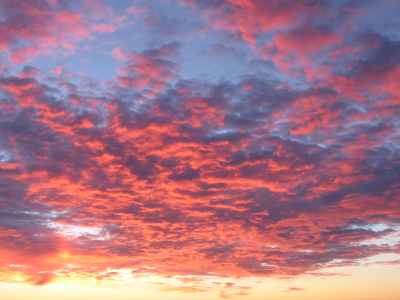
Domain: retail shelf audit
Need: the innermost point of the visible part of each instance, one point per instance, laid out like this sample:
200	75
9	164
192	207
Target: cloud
294	289
34	28
165	173
183	289
250	18
150	70
155	184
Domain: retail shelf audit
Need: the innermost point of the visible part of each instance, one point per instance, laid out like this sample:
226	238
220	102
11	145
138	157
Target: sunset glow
199	149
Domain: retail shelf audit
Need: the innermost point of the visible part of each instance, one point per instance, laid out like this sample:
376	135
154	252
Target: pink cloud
45	29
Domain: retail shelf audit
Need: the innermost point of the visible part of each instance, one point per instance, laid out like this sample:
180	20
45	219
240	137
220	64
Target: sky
199	149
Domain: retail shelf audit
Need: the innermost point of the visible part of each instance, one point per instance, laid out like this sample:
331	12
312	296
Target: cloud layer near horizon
285	168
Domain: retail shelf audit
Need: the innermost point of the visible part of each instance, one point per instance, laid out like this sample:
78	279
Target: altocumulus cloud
172	173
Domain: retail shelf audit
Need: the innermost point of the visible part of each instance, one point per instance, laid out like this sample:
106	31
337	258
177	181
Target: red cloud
171	189
246	177
43	29
148	71
250	18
